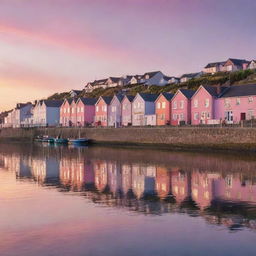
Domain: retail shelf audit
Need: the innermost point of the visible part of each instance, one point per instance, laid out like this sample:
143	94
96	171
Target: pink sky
51	46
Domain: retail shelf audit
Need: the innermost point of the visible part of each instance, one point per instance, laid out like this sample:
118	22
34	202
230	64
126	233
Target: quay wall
199	138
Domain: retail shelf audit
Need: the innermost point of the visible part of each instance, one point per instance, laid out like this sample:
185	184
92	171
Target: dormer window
182	104
174	105
195	103
158	105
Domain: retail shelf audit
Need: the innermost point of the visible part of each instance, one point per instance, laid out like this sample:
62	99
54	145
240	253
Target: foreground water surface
113	201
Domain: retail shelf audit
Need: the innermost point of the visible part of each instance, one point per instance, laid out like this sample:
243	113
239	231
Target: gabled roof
214	64
53	103
190	75
187	93
115	79
129	97
170	77
119	97
211	90
238	62
76	91
88	101
148	96
151	74
106	99
168	96
239	91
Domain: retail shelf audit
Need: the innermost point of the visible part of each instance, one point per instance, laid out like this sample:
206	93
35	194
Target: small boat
44	138
60	141
80	141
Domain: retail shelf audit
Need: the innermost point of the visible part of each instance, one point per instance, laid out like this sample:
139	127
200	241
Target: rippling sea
62	201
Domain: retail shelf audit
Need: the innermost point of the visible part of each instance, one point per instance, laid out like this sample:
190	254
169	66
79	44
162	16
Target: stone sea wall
199	138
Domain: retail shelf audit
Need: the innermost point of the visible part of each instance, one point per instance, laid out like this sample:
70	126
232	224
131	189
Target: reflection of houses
181	185
202	187
101	175
163	182
114	177
45	170
143	180
76	173
126	178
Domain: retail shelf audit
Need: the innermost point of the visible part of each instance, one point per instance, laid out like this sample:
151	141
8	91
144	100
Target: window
195	103
114	109
82	109
196	116
207	103
124	107
64	110
97	108
251	114
164	104
182	104
68	110
174	105
238	101
208	115
250	99
174	116
78	110
158	105
227	103
181	118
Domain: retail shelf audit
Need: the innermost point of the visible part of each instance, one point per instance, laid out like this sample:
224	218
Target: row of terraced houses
207	105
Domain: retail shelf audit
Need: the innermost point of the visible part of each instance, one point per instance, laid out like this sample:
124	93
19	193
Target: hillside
221	78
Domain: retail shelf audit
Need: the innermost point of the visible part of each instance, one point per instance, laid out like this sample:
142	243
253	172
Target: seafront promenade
184	138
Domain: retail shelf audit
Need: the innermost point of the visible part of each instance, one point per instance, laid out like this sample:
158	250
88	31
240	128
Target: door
229	117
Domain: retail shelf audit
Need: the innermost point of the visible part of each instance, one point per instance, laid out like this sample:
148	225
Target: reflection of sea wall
183	137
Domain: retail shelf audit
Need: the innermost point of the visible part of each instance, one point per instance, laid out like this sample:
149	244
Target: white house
47	113
252	64
154	78
143	107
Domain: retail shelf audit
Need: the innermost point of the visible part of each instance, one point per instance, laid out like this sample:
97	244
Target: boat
44	138
80	141
60	141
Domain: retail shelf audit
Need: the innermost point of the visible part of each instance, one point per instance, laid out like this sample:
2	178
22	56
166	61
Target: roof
170	77
191	75
151	74
167	95
214	64
106	99
89	101
115	79
76	91
211	90
187	92
239	91
238	62
53	103
130	97
148	96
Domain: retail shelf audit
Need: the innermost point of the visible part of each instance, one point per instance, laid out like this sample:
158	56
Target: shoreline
203	139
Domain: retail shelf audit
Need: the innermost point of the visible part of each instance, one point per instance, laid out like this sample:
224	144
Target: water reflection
220	190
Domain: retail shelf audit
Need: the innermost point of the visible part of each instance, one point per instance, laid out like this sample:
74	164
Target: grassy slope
222	78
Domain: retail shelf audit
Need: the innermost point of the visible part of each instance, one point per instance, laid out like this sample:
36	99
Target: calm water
111	201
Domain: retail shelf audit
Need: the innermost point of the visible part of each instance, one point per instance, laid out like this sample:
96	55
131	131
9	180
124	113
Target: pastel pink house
237	103
73	112
203	105
85	111
65	113
181	107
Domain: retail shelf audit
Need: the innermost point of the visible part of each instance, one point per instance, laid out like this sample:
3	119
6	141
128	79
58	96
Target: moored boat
80	141
60	141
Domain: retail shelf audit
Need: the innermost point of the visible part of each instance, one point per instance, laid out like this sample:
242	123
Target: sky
49	46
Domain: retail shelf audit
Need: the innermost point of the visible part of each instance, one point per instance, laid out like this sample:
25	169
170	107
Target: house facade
142	105
214	67
181	107
85	111
154	78
163	108
235	64
65	113
186	77
252	64
102	108
47	113
115	111
236	104
203	105
127	110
